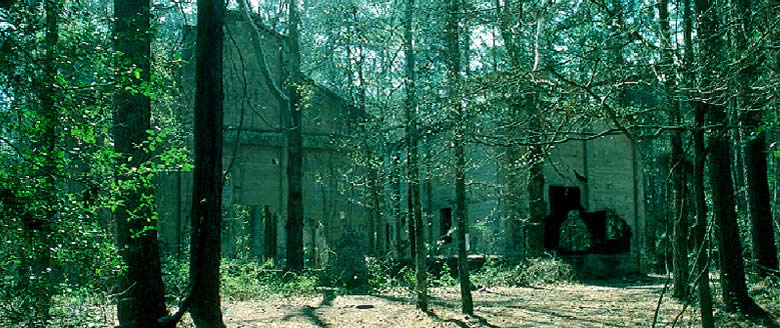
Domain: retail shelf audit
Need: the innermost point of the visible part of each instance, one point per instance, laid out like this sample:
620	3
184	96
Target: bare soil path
596	304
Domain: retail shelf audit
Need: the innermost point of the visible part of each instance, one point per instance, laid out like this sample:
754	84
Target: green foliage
767	290
83	307
244	279
57	254
385	274
444	278
499	273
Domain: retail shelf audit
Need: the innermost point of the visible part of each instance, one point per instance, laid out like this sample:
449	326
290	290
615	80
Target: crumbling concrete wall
255	155
606	171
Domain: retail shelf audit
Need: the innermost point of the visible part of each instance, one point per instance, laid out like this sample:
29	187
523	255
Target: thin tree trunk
679	208
295	150
537	208
143	302
732	266
415	210
759	206
699	230
395	200
207	179
700	226
376	224
453	42
410	212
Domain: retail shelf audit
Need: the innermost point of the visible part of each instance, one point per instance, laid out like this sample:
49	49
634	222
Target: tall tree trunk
537	209
679	208
205	253
376	224
395	200
759	206
295	149
143	302
699	231
700	226
735	294
413	173
453	43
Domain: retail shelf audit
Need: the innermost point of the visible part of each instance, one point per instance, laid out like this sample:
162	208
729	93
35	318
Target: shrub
445	278
547	270
383	274
246	279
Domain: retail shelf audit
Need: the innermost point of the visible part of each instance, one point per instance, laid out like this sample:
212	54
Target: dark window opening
445	224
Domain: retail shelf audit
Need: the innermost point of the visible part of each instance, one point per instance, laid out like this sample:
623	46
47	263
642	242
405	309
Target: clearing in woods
625	303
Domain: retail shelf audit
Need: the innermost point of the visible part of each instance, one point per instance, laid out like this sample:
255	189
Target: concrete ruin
255	156
595	215
593	188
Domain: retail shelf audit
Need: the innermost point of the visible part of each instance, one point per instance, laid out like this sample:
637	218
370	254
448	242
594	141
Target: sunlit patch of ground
596	304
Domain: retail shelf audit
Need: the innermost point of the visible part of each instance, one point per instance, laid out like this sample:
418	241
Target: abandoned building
255	157
593	188
594	193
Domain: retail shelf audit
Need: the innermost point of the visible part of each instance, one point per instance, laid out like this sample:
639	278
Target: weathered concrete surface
255	156
606	171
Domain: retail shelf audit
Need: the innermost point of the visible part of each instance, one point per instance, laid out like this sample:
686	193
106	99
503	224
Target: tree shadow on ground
441	303
482	321
310	312
631	281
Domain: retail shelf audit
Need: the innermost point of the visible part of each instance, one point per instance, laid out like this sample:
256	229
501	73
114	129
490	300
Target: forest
389	163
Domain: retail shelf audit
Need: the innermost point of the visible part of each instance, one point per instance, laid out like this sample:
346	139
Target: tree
453	43
699	231
537	209
679	207
294	146
509	24
413	174
754	153
732	267
142	287
206	217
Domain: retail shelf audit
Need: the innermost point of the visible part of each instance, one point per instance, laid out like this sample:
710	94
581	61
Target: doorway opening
569	229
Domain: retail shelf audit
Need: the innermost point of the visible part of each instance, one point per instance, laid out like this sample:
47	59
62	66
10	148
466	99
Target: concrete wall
255	154
606	170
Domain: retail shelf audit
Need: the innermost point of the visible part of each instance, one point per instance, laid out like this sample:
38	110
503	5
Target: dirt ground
595	304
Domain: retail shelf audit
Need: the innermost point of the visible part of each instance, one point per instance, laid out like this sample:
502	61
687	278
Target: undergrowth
244	279
502	273
385	274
